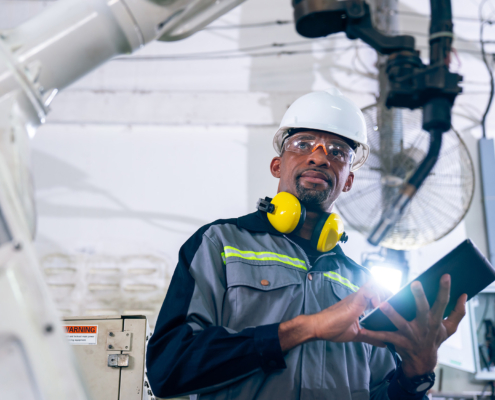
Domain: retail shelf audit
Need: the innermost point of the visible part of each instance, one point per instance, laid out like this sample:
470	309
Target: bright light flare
390	278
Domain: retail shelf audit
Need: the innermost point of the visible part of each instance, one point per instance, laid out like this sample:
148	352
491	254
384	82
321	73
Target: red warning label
82	329
82	334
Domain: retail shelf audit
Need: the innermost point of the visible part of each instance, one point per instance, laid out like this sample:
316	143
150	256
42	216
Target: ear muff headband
329	231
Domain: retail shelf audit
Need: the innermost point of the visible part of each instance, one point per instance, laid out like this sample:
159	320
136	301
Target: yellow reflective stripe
263	252
342	280
258	256
266	259
224	259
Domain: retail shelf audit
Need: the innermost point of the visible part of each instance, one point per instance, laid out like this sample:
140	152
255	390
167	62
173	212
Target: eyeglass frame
319	142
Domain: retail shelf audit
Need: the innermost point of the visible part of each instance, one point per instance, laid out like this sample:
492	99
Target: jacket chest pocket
337	288
261	294
340	291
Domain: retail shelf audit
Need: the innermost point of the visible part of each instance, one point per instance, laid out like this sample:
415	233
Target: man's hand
340	322
337	323
417	342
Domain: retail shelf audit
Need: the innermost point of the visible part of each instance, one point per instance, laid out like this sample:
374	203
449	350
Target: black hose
441	10
429	161
392	215
441	24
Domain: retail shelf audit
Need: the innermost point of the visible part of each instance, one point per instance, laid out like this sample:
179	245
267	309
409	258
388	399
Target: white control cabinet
111	351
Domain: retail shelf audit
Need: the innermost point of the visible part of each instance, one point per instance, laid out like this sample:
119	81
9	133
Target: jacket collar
258	222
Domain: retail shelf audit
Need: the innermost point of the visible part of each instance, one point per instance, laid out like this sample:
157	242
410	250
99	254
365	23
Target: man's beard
312	198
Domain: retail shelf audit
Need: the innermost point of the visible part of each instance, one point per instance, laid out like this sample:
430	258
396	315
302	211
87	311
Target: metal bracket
119	341
118	360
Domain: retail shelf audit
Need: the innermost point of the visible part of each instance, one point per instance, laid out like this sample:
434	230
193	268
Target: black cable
490	72
227	52
483	358
206	56
413	14
483	316
286	22
422	34
254	25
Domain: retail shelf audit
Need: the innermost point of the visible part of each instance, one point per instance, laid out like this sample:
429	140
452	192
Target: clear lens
303	145
335	149
340	151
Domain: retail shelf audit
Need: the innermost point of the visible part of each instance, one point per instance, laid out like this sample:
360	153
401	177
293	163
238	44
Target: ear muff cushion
327	232
289	213
302	219
315	237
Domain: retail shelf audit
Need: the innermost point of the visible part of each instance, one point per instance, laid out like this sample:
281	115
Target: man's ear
275	167
348	183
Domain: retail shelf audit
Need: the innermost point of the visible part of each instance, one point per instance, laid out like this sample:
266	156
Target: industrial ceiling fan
395	153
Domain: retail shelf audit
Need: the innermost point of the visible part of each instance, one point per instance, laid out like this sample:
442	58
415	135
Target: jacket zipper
302	251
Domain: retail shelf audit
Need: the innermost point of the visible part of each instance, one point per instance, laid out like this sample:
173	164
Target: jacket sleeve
190	352
384	365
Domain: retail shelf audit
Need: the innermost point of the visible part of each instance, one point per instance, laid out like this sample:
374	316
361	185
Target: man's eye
340	154
302	145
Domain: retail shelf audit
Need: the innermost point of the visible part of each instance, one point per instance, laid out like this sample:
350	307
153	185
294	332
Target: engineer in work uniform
258	311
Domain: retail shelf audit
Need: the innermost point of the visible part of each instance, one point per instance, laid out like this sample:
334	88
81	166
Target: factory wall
139	154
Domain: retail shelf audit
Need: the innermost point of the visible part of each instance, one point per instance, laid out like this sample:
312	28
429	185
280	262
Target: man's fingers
383	293
442	300
376	301
455	317
395	317
422	306
370	293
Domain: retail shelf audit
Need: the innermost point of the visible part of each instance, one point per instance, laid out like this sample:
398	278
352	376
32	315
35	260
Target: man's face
315	179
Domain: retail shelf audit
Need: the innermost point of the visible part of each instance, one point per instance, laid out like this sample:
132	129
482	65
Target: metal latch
119	341
118	360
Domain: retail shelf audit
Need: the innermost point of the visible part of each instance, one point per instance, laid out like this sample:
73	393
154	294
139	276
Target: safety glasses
335	150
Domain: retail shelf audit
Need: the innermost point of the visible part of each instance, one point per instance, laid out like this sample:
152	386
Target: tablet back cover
470	273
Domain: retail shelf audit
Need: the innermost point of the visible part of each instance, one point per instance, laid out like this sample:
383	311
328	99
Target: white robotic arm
54	49
37	60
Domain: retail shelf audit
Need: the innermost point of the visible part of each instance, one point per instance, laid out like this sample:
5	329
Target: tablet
470	273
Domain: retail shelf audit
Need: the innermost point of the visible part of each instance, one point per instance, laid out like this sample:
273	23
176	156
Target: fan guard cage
440	203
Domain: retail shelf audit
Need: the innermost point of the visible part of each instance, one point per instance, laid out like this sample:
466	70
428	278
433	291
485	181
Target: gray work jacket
217	333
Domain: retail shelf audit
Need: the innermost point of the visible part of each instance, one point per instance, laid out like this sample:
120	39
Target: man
252	313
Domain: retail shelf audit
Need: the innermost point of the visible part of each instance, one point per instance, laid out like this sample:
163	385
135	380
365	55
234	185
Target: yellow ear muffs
328	232
285	212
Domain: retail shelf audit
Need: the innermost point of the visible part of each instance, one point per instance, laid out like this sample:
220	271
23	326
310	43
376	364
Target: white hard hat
328	111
